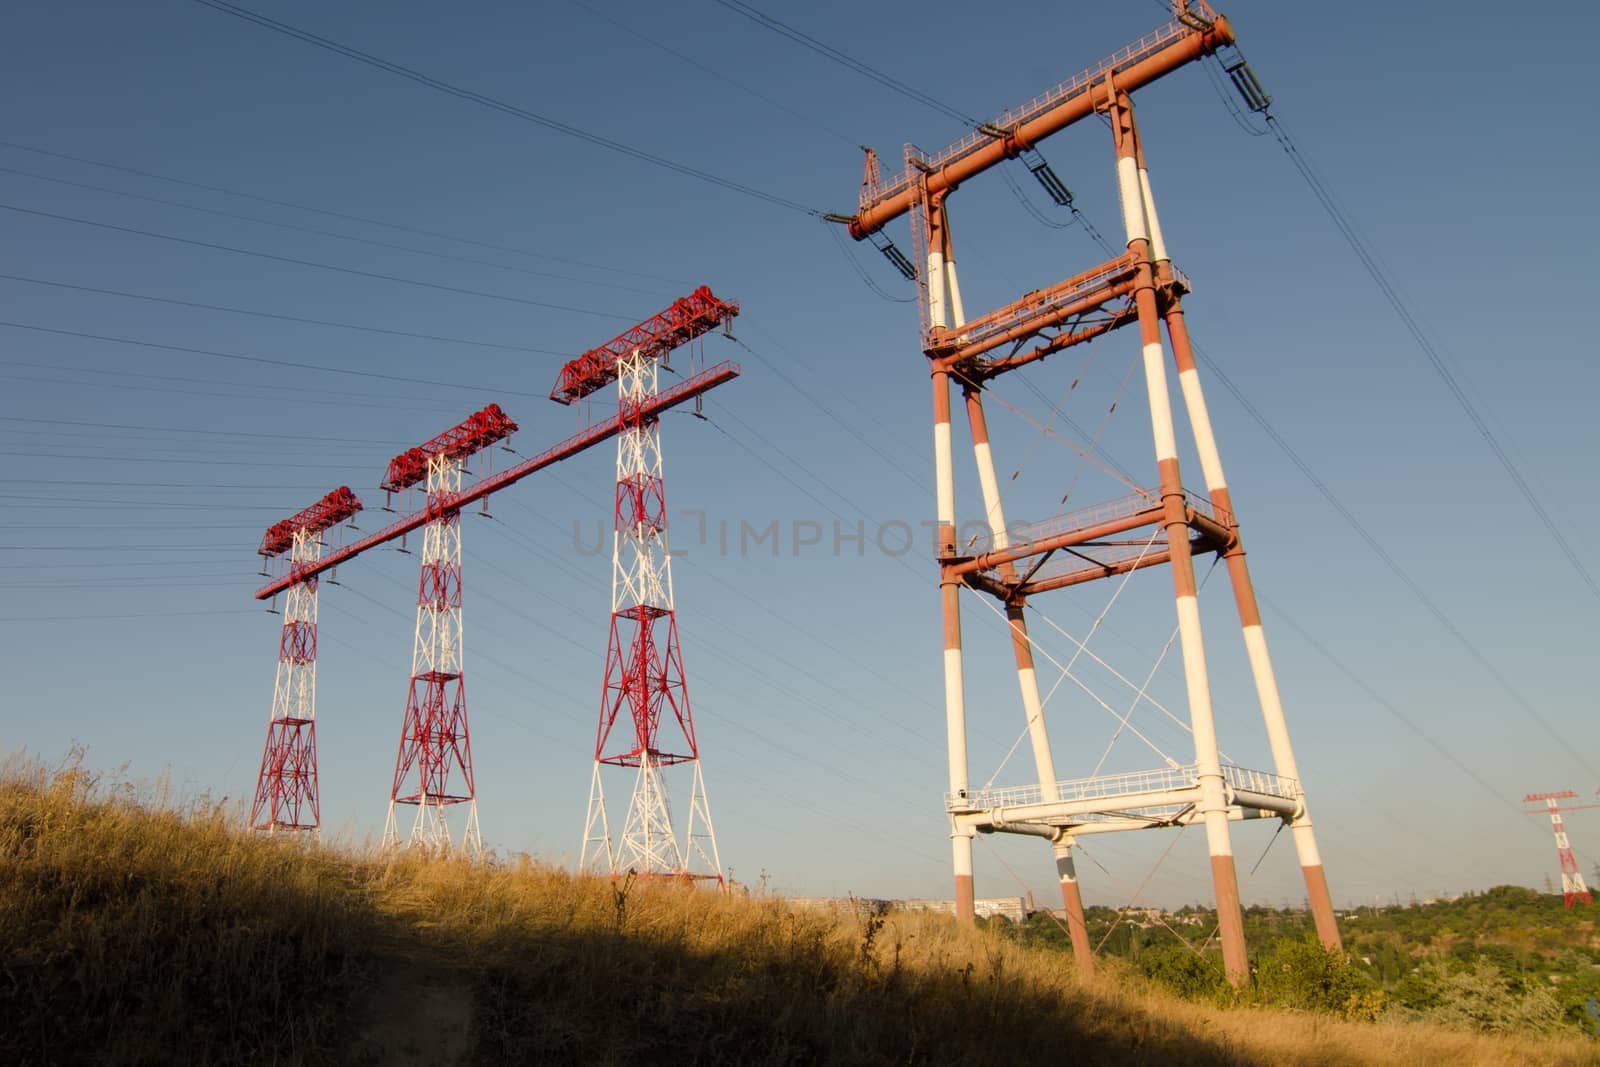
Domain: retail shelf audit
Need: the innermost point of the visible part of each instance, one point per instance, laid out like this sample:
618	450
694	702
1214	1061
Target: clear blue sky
1460	137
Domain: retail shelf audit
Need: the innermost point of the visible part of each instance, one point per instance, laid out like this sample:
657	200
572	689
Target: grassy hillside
133	932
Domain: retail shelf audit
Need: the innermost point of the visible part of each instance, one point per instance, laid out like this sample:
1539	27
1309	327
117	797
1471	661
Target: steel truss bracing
644	680
1137	288
286	785
433	771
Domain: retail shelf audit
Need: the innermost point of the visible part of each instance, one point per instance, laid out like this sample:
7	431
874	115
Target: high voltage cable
314	263
805	40
187	430
345	215
326	233
502	106
1386	705
270	361
772	366
1394	566
691	61
152	298
1347	230
247	390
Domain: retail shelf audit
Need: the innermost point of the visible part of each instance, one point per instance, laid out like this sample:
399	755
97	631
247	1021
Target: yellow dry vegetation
135	930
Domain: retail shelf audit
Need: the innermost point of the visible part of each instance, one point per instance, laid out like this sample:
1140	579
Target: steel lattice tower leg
435	746
1573	888
286	789
644	668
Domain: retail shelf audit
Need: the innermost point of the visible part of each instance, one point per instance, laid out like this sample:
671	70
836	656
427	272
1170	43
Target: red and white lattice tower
286	787
433	770
644	668
644	679
1573	888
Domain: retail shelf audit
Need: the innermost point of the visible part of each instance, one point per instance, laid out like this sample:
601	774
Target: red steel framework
438	597
433	769
1573	888
644	675
1142	287
286	786
688	317
596	433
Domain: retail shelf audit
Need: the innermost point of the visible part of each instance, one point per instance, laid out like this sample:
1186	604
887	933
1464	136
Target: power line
247	391
513	110
292	261
270	361
1384	703
695	63
1394	566
325	233
850	63
345	215
185	430
152	298
1348	231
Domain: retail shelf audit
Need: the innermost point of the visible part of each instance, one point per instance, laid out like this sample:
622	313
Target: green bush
1190	974
1300	973
1480	997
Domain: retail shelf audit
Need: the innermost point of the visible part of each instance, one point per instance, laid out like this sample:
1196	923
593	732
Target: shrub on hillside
1300	973
1190	974
1481	997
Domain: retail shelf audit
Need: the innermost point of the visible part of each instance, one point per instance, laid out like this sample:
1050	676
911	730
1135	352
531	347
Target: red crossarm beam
1194	34
331	510
476	432
687	318
1563	795
685	390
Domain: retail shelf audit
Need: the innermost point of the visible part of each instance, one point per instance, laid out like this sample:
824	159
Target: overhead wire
1435	358
213	353
513	110
279	316
296	228
684	57
365	220
805	40
772	366
1388	560
317	265
261	391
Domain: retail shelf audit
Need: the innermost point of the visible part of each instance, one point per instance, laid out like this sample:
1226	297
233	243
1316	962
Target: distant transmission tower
433	770
286	787
1573	888
644	667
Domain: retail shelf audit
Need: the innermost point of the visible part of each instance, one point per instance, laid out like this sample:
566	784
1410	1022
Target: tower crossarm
1080	309
1160	797
1195	31
475	433
330	511
592	435
1084	293
1082	536
689	317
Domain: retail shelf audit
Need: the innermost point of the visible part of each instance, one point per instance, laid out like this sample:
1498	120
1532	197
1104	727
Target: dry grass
131	932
